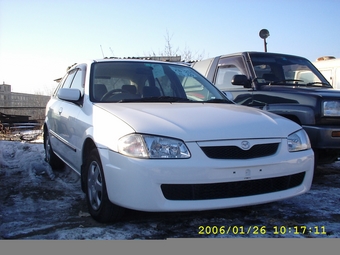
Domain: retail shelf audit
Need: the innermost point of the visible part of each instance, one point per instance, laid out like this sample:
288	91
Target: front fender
304	114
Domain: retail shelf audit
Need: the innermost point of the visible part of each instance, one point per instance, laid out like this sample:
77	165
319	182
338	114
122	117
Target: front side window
65	82
69	78
227	68
225	75
77	82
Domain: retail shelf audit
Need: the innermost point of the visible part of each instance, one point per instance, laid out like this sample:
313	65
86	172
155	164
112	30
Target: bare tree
187	55
46	91
169	50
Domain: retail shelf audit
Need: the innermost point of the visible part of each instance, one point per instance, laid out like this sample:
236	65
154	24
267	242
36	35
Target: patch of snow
39	203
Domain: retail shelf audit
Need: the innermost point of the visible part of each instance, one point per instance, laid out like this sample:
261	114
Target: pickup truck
287	85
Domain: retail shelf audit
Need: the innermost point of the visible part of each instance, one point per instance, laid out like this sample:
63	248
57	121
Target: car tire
55	162
99	205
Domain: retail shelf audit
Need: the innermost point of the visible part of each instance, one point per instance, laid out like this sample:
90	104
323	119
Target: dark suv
283	84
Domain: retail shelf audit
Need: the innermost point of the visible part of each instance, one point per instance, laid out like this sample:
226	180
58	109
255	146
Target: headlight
148	146
331	108
298	141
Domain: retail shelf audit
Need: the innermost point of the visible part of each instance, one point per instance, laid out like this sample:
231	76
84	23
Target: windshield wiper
219	100
156	99
320	83
316	83
283	81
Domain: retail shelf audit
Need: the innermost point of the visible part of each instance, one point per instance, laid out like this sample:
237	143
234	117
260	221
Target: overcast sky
40	38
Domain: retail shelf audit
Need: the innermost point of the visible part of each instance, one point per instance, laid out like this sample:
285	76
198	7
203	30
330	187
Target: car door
68	127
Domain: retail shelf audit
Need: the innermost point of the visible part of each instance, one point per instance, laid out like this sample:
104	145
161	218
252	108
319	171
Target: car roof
137	60
259	53
131	60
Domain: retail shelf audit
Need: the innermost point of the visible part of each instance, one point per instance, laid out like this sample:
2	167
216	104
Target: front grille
234	152
230	189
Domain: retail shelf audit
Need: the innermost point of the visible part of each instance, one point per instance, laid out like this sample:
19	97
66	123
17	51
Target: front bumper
144	184
324	137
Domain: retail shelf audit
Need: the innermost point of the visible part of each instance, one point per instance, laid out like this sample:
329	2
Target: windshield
129	81
286	70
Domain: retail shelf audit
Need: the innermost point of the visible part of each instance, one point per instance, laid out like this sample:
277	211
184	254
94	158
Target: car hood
201	121
317	91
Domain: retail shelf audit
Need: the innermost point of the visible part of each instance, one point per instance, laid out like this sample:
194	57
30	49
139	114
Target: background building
29	105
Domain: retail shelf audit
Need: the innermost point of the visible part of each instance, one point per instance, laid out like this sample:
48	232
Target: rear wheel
50	157
99	205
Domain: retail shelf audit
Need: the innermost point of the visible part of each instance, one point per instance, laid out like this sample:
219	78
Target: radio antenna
102	51
111	52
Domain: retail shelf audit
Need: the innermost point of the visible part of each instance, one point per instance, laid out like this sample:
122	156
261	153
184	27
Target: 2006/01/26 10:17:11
261	230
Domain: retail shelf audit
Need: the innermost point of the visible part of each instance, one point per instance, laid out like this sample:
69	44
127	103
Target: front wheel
50	157
99	205
325	156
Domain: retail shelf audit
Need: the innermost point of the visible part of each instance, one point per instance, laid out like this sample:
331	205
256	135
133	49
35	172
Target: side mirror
71	95
241	80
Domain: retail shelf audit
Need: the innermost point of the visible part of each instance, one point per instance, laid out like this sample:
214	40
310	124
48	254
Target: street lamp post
264	33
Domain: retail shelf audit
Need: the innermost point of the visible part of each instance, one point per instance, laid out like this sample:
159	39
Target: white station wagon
157	136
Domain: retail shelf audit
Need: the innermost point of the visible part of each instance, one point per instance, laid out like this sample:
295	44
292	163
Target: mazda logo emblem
245	145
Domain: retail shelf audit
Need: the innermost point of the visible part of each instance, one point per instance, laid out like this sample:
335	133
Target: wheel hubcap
95	185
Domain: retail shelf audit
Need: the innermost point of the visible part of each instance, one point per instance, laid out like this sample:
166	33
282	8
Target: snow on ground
38	203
